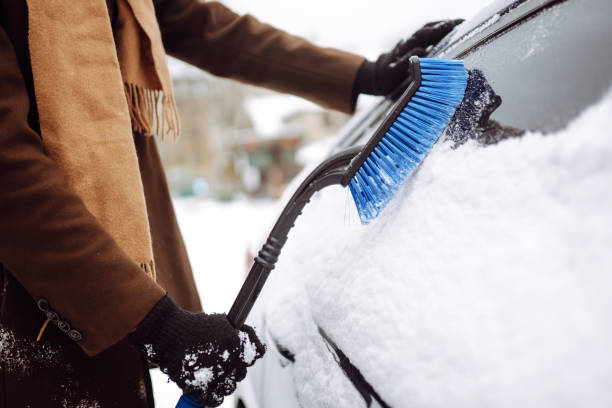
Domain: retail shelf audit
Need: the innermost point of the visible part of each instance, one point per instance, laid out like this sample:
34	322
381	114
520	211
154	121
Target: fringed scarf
91	93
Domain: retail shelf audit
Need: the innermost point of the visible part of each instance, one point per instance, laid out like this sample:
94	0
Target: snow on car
485	282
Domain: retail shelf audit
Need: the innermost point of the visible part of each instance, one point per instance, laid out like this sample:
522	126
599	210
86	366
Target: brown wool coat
51	247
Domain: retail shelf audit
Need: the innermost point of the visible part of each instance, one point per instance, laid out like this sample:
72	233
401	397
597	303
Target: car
485	282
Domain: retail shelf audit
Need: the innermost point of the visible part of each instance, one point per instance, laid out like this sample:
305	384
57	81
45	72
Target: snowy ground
217	236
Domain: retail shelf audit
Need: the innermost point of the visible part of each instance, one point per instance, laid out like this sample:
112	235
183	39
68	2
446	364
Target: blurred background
241	141
241	145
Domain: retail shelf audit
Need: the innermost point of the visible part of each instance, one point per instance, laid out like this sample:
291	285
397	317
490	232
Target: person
96	284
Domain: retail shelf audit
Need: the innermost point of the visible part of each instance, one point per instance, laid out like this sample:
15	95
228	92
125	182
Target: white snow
190	359
250	350
22	355
485	282
83	403
202	377
149	350
12	357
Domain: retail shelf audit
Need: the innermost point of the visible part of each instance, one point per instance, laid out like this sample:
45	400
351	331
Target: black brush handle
248	294
398	107
328	173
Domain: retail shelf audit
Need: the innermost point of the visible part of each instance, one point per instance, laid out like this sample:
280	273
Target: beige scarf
90	94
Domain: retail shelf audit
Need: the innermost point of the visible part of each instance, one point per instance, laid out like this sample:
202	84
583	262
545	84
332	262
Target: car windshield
549	68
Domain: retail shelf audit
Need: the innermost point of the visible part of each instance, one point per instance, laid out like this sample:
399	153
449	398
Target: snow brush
373	172
401	142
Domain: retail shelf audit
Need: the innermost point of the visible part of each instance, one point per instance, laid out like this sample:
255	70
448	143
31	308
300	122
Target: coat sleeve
50	242
212	37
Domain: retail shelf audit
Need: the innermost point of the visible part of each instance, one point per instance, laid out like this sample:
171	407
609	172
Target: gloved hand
202	353
391	68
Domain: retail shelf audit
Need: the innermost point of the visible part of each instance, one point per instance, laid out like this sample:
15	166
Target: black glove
391	68
202	353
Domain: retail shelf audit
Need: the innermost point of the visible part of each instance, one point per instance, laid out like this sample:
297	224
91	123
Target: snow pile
485	282
318	379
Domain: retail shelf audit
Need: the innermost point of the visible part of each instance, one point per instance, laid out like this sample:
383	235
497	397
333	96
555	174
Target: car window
550	67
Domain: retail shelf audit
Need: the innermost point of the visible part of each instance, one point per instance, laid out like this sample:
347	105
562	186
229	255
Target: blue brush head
402	141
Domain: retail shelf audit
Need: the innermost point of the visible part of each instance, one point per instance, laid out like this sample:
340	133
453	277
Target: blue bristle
386	165
410	137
